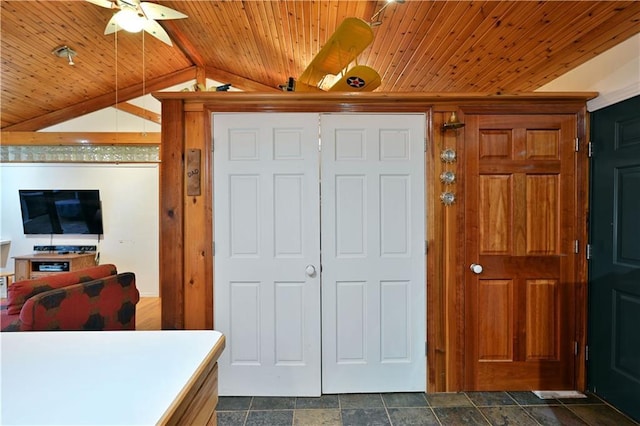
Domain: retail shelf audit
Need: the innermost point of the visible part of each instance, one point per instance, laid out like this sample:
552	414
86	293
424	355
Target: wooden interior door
520	228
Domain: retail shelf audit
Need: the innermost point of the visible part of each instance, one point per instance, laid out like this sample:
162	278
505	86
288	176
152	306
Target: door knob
475	268
310	270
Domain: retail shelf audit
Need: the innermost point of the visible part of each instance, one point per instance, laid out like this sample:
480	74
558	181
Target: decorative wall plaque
193	172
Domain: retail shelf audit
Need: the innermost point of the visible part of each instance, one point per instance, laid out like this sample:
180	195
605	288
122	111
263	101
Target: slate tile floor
395	409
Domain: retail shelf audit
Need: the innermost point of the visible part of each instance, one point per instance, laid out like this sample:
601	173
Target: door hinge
577	144
590	149
586	352
575	347
589	252
425	349
576	246
213	248
425	144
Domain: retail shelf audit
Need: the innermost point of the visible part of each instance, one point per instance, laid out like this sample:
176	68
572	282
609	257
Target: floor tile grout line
473	404
435	415
575	414
246	416
384	405
522	407
512	398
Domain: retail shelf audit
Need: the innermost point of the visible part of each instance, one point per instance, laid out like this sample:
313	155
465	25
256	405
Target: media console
38	265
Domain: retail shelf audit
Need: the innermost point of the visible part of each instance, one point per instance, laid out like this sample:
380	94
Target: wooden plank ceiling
421	46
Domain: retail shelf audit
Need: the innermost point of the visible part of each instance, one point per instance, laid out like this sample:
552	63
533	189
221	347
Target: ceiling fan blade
157	11
156	30
112	26
104	3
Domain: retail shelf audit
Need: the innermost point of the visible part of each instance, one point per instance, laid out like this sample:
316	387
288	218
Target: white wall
615	74
111	120
130	201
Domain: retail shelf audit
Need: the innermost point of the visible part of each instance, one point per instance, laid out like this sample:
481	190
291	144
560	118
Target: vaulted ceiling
491	47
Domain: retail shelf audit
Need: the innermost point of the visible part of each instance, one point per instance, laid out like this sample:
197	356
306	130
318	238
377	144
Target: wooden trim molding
322	100
79	138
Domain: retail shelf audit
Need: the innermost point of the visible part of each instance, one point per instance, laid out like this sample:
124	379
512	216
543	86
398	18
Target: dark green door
614	284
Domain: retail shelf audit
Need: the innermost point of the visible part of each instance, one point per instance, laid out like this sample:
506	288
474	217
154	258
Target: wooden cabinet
33	266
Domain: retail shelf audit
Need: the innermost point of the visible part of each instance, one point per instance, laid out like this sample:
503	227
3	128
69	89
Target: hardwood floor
148	315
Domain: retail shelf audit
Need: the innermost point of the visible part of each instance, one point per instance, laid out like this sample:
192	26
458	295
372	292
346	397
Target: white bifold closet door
266	227
267	295
373	255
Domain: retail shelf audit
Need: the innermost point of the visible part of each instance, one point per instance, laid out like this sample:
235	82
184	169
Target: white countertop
96	377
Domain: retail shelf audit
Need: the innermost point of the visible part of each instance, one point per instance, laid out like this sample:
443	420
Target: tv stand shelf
38	265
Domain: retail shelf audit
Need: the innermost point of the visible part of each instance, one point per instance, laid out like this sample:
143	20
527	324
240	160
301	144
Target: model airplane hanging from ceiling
343	47
136	15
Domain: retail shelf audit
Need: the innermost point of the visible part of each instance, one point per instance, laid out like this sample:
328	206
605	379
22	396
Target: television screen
61	211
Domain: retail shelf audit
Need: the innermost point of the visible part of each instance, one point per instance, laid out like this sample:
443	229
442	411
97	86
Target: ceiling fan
135	15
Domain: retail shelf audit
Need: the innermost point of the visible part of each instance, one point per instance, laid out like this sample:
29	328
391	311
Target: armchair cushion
107	303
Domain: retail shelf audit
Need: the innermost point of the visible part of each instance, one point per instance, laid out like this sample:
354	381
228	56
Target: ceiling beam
238	81
104	101
139	112
183	43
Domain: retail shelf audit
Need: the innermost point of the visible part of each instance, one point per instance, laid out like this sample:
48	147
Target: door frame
581	220
186	232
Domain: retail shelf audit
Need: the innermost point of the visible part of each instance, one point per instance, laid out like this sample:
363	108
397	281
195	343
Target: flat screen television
61	211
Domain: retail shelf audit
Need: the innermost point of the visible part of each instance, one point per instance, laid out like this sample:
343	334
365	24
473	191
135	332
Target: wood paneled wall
186	228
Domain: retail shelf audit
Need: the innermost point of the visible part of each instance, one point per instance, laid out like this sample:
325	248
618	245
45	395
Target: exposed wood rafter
139	112
183	43
103	101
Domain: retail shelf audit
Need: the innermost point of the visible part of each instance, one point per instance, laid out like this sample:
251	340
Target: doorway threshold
559	394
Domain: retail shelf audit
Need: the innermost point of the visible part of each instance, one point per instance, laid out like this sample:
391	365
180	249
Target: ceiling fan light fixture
129	20
135	15
376	20
65	52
